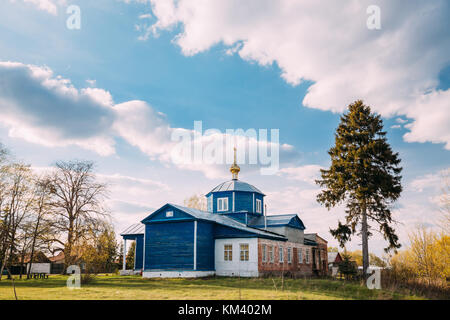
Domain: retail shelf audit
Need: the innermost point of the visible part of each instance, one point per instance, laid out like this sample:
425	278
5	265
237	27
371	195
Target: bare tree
196	202
77	204
15	204
41	227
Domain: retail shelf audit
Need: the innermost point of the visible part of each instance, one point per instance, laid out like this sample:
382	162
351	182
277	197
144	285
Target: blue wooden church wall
169	246
205	246
243	201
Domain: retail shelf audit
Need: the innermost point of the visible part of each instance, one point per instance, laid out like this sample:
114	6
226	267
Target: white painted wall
236	267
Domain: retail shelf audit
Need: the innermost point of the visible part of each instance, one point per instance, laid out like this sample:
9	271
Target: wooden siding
205	246
243	201
221	231
139	253
169	246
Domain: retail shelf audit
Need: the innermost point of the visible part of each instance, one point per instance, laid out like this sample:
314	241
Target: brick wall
296	267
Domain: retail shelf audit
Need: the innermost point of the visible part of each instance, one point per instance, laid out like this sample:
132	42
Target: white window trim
264	253
224	204
289	255
258	206
272	255
281	254
240	252
300	255
224	250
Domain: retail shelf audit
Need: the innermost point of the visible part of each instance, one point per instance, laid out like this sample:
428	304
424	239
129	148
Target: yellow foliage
427	258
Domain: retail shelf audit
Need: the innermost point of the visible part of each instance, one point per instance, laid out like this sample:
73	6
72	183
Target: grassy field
134	287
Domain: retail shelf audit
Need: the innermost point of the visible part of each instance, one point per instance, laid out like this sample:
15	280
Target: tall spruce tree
365	175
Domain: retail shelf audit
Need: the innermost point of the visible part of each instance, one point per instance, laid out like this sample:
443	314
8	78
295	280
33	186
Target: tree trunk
365	242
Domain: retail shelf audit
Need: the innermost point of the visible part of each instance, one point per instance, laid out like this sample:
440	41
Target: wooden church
234	237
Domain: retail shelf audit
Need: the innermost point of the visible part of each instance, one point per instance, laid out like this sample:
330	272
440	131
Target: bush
87	278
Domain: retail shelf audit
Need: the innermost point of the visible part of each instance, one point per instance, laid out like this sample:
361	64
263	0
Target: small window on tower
258	206
222	204
169	214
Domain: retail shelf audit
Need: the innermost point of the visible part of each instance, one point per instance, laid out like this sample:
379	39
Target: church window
169	214
244	251
300	255
289	255
307	255
258	206
228	252
271	253
264	253
222	204
281	256
210	209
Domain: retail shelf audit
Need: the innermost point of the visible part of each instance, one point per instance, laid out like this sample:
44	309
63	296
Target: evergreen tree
365	175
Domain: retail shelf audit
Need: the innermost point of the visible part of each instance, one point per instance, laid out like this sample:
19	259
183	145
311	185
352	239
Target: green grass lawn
134	287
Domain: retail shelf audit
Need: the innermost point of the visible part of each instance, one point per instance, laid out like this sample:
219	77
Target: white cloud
430	181
395	69
50	6
46	109
307	173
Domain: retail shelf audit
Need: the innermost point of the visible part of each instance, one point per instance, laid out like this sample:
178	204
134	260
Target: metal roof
236	185
277	221
227	221
137	228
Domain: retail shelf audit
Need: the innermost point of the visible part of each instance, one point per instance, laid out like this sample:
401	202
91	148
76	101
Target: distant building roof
134	229
332	256
58	258
235	185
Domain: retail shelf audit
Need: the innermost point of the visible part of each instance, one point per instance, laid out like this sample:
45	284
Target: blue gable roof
181	213
282	220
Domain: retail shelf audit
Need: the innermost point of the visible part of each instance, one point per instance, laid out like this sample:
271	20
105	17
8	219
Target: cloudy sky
115	90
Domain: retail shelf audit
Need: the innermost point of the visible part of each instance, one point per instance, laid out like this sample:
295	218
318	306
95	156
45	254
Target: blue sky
258	65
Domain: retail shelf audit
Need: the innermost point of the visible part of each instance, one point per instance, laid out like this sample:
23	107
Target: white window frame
264	252
300	255
280	255
222	204
210	203
228	252
289	254
271	255
169	214
258	206
307	256
245	251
